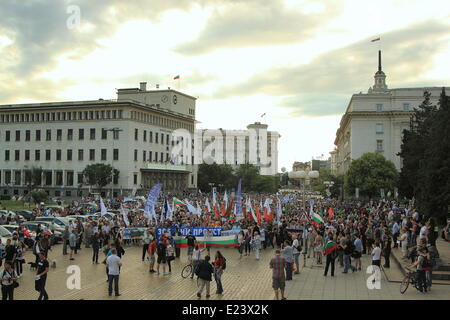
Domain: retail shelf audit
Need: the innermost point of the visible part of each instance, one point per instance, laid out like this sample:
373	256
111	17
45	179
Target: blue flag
239	201
152	197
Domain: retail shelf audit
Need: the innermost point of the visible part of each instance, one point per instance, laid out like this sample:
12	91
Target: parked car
28	236
108	215
59	223
27	214
5	234
12	215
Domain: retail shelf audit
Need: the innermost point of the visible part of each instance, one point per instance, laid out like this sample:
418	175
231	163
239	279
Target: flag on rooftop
377	39
176	77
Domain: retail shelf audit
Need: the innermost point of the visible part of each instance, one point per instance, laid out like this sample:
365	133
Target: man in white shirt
114	263
376	254
423	232
296	253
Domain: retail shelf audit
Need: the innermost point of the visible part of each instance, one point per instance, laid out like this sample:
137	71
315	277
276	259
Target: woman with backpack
219	266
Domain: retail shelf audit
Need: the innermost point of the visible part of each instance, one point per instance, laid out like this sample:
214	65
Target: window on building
115	181
379	128
37	155
17	135
59	135
69	134
17	155
379	107
59	178
69	154
97	115
114	114
92	134
80	134
136	134
103	155
150	137
167	139
406	107
47	155
135	155
27	135
145	135
144	155
116	154
69	180
58	155
7	135
156	156
27	155
116	135
135	178
91	154
120	114
104	134
379	145
48	135
6	155
80	178
156	137
80	154
38	135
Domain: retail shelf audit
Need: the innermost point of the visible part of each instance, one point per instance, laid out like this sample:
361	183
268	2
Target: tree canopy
99	174
370	173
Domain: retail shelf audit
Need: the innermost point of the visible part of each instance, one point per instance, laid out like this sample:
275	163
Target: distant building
64	137
237	147
301	166
374	121
320	164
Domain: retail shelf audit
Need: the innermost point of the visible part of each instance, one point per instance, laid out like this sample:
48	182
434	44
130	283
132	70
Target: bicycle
187	270
409	278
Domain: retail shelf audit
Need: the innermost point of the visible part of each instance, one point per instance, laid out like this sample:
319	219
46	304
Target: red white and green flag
176	77
317	219
178	202
330	247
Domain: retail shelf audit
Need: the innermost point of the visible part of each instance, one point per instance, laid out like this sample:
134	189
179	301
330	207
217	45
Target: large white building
63	138
255	145
374	121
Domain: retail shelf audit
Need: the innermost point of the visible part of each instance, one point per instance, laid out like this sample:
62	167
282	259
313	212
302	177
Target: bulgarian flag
178	202
317	219
176	77
330	213
216	211
220	241
376	39
224	210
330	247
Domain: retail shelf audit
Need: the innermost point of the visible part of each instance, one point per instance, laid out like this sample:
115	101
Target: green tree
99	174
370	173
217	174
39	195
249	174
264	184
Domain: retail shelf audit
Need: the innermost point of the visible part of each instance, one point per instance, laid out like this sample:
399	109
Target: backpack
426	263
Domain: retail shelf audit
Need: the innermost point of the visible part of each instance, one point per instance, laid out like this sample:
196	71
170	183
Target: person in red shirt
151	255
219	264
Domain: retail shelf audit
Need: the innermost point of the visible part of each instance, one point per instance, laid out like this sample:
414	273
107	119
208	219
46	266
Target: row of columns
170	180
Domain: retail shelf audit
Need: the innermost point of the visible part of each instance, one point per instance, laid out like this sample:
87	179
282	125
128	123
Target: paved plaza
244	278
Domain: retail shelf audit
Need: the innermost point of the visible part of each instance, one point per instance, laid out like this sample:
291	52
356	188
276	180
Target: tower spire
379	60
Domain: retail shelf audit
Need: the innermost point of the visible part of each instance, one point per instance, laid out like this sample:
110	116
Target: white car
5	234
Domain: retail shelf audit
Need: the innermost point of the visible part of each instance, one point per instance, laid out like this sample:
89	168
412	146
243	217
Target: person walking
162	255
404	242
73	243
278	264
376	255
170	255
204	272
241	242
288	258
247	244
96	243
331	252
256	244
151	255
8	281
41	276
219	266
296	253
65	239
147	239
357	252
387	242
348	250
20	259
114	263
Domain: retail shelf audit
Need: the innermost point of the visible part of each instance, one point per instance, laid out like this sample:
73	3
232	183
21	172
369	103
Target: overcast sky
297	61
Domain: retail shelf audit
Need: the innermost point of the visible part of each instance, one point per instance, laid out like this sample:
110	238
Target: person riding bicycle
420	264
191	244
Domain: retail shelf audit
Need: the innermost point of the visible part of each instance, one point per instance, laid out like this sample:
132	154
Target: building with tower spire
374	121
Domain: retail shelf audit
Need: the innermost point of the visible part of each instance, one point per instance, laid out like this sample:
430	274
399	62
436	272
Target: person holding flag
330	253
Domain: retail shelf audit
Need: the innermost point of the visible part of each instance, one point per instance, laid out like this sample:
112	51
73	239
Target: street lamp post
303	176
328	184
114	130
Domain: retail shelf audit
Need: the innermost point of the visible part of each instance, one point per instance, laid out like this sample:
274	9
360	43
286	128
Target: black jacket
204	270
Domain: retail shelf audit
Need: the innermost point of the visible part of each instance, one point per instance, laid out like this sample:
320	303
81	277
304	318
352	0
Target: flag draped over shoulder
330	247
